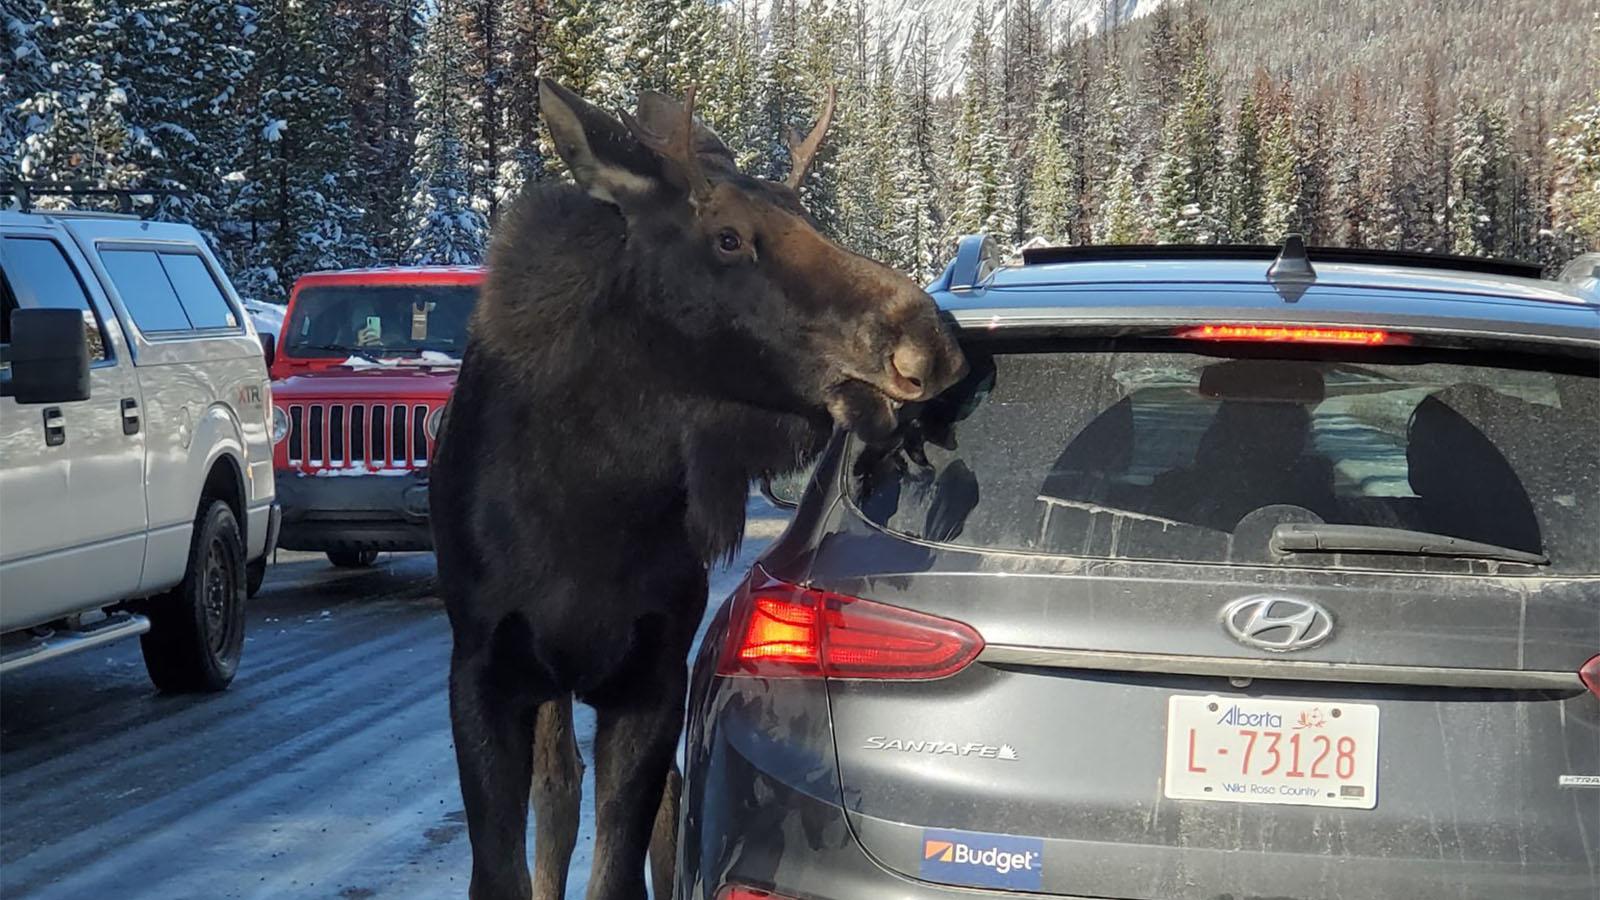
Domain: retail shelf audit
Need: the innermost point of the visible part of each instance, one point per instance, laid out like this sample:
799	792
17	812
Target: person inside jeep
398	320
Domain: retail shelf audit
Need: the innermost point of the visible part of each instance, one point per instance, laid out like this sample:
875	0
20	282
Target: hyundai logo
1279	624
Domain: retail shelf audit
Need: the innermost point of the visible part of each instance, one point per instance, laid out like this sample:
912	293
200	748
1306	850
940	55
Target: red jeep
360	375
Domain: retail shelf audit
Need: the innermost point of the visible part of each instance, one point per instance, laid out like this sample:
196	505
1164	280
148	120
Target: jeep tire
196	631
352	559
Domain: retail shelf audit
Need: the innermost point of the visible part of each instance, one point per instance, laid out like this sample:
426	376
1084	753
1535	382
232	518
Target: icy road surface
326	771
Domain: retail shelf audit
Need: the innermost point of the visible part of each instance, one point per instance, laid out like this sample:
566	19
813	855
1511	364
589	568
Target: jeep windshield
426	322
1392	459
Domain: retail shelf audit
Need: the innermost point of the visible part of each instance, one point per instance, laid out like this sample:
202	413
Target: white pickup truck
136	485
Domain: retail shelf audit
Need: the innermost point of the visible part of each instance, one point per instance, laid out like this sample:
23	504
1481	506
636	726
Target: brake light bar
782	630
1294	334
1589	672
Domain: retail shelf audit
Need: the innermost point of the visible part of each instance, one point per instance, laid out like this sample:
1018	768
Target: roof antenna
1291	273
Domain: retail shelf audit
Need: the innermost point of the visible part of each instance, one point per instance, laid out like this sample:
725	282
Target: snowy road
326	771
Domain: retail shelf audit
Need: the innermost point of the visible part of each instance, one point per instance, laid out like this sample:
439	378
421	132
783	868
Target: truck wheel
254	574
352	559
196	631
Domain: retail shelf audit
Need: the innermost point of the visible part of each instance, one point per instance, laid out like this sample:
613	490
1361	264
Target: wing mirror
269	348
49	356
785	491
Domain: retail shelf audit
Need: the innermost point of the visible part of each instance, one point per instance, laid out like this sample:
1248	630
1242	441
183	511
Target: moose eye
729	241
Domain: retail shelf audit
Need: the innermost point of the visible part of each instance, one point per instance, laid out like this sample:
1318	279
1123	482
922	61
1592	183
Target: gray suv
1228	572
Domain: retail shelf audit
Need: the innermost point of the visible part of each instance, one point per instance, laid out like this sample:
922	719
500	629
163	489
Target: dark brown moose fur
647	342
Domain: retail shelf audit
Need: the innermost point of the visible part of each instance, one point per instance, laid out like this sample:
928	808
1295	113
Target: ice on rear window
1136	454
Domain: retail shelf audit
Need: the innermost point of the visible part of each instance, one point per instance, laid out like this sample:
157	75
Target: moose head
733	273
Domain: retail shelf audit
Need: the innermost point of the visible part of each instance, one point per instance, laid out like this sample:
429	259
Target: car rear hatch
1180	694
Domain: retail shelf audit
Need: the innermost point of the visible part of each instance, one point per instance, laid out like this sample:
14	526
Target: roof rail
1269	253
26	191
977	256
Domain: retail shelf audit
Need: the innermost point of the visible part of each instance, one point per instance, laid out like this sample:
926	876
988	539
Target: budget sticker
984	860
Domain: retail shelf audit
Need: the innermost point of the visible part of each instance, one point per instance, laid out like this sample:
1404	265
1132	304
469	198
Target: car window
401	320
146	291
39	276
197	290
1138	453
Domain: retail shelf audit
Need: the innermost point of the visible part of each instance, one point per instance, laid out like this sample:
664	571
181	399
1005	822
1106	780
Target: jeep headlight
434	420
280	424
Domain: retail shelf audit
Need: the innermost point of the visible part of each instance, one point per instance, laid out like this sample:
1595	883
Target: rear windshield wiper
1302	538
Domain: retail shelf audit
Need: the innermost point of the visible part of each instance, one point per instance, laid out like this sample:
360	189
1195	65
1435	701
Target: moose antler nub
803	153
678	146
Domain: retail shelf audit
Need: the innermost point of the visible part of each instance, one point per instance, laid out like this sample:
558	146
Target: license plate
1272	751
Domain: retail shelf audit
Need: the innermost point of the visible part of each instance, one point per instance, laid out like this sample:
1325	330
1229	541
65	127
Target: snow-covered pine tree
383	116
1576	201
446	228
24	43
781	95
1162	67
670	43
1401	217
299	195
1189	168
1175	214
983	177
580	52
1109	141
918	227
1080	93
825	30
1280	199
1244	185
1121	216
729	97
193	110
521	160
480	31
1053	176
866	177
1479	163
1312	172
76	126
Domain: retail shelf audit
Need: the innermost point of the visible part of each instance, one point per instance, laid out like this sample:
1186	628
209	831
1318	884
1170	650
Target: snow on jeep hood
410	381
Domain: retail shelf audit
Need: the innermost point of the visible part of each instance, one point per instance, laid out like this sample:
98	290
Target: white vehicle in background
136	484
268	317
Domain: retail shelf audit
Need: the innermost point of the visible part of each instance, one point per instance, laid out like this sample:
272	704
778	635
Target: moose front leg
493	727
633	751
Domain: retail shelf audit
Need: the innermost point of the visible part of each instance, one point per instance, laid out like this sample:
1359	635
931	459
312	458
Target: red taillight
740	892
1295	334
1590	673
780	630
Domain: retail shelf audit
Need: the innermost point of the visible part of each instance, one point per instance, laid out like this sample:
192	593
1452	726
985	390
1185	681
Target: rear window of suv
168	291
1156	451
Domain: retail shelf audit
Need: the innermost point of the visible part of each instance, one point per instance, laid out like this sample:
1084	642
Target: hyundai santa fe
1230	572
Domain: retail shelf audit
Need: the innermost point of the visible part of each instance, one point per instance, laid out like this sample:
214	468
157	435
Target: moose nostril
911	364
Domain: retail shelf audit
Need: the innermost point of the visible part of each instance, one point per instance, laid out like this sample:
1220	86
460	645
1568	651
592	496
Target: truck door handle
55	427
130	416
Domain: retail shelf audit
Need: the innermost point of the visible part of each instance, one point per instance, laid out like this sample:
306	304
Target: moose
648	340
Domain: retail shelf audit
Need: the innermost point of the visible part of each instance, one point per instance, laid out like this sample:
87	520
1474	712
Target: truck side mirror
49	356
269	348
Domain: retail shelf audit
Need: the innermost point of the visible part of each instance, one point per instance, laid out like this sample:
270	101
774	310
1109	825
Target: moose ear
604	157
664	116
